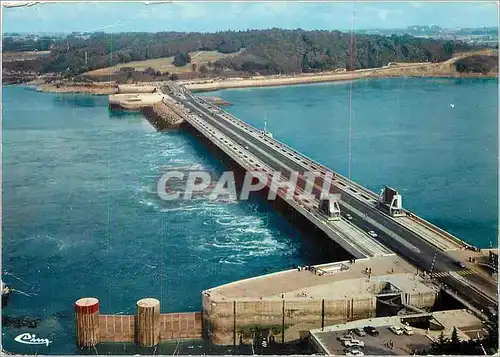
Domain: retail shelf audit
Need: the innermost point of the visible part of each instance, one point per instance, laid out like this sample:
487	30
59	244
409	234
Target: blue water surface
81	217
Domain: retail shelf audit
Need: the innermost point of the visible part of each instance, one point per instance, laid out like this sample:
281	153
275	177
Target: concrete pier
87	322
148	322
155	106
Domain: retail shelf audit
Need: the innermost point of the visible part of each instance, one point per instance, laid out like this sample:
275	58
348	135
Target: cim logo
31	339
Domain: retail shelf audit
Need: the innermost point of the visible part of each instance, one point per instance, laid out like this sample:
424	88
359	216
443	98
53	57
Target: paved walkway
354	280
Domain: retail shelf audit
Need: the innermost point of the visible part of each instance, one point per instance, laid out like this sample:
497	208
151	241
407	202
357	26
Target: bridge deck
429	235
346	235
435	236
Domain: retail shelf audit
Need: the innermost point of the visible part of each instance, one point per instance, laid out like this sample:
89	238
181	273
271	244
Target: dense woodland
270	51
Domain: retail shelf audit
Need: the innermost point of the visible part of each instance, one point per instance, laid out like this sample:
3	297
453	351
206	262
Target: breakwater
152	105
147	328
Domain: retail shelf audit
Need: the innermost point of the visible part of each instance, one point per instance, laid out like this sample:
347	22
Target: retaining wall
173	326
230	322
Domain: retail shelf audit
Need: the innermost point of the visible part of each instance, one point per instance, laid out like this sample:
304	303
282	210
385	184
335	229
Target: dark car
460	264
371	330
492	312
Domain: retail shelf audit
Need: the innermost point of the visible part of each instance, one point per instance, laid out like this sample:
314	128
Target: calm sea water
81	216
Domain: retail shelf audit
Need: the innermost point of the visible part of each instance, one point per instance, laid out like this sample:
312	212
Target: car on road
371	330
354	353
348	216
354	343
372	234
460	264
407	330
396	330
359	331
491	312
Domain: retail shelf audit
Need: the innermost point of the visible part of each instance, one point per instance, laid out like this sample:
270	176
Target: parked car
359	331
372	234
371	330
354	343
354	353
407	330
346	337
396	330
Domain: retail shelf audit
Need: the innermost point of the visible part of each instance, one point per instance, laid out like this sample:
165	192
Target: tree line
269	51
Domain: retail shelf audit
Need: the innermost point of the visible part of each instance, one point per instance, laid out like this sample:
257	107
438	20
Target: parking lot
376	345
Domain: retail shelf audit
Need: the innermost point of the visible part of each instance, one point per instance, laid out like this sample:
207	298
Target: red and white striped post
87	322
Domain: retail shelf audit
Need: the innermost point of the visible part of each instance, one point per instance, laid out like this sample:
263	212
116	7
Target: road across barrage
408	244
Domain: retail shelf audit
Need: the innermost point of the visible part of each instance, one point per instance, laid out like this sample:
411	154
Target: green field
165	63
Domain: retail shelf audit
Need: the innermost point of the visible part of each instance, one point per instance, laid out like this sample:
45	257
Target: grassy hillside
164	64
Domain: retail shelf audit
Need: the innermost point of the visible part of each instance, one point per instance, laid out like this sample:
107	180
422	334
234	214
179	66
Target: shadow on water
76	101
121	115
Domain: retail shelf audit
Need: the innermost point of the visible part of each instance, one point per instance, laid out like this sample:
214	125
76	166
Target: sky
217	16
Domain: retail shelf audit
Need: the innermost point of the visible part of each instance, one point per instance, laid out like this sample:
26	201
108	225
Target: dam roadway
418	241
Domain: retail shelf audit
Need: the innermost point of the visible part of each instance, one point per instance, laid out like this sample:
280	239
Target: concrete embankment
133	101
162	117
155	107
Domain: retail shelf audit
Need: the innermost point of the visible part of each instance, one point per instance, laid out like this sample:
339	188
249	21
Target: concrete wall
173	326
116	328
229	322
421	300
